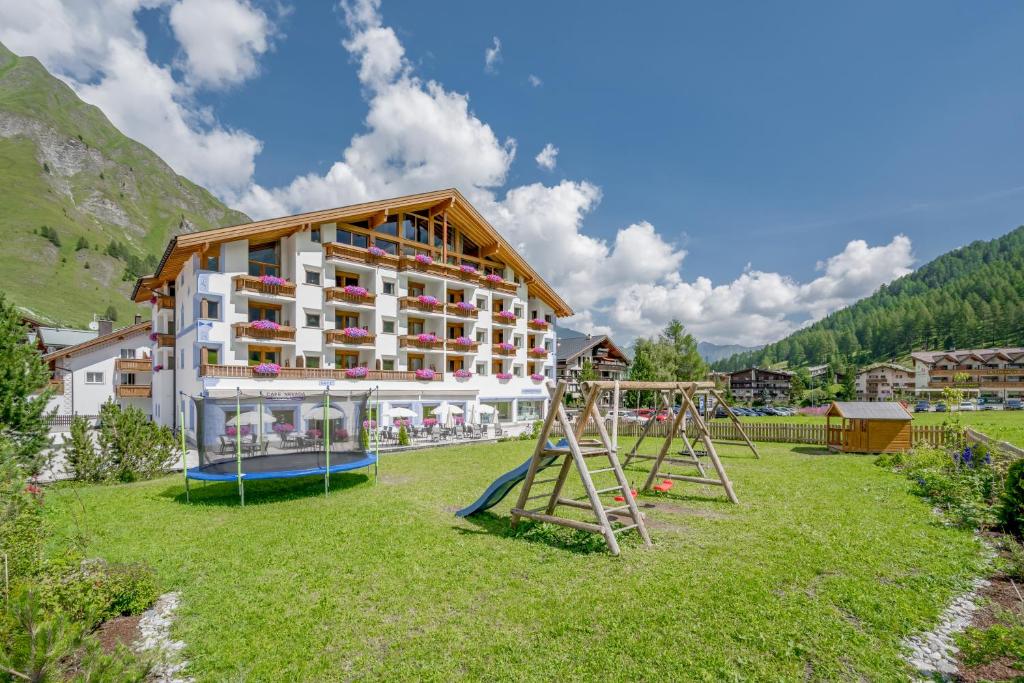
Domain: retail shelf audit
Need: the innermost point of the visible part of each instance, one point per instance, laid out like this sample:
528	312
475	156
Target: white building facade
416	298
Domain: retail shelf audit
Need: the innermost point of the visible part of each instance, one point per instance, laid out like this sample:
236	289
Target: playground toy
686	391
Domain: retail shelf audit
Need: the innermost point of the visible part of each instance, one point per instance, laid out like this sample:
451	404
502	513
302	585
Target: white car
967	405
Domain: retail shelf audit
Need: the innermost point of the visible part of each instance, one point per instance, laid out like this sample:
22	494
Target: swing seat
622	499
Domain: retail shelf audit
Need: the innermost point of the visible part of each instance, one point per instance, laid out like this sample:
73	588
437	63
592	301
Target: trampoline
281	435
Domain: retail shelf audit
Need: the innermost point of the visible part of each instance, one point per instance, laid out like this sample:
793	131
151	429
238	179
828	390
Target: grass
820	572
1005	425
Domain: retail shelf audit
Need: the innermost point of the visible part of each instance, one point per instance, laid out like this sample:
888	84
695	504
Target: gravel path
933	653
155	638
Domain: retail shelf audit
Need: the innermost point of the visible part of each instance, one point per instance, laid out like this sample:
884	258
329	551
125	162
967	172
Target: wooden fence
784	432
62	423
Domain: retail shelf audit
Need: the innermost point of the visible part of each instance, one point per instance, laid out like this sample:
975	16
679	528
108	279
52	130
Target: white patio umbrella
486	409
250	418
401	412
316	412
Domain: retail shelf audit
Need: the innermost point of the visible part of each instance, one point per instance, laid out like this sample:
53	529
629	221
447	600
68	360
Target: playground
821	569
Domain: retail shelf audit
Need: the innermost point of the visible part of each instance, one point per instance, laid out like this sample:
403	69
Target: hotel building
417	297
986	373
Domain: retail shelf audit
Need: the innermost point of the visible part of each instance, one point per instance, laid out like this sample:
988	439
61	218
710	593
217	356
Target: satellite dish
94	326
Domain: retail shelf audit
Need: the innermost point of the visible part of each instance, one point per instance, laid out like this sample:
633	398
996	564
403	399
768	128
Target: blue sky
744	132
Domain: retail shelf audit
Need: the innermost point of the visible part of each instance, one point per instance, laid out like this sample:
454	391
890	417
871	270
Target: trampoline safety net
269	436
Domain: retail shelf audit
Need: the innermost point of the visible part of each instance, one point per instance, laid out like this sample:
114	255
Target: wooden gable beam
489	250
378	219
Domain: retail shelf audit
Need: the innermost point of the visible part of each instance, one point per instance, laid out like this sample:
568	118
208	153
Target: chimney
105	327
138	318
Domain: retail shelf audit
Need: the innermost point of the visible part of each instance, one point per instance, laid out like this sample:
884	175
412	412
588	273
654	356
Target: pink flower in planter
427	337
369	424
429	421
355	332
265	325
463	373
273	280
376	251
424	373
507	316
153	336
465	306
504	375
460	420
538	351
400	422
356	372
153	299
267	369
355	290
463	341
539	322
424	259
158	367
466	268
537	377
506	346
428	300
284	427
314	433
494	278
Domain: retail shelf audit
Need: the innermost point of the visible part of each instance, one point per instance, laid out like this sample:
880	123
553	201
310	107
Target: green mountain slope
69	178
970	297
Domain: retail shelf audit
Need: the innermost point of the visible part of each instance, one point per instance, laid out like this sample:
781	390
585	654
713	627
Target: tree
849	390
587	371
23	392
110	313
640	370
688	364
82	243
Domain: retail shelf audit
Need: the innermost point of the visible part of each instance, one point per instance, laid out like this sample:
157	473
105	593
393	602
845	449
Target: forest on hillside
972	297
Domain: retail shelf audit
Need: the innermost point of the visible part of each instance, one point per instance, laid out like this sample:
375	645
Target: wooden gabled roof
470	221
115	336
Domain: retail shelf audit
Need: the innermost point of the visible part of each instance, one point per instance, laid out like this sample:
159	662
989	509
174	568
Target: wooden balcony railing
57	384
412	341
165	339
339	337
454	347
435	269
134	391
253	285
498	351
504	287
247	331
539	325
338	294
534	353
164	302
246	372
346	252
411	303
453	309
502	320
133	364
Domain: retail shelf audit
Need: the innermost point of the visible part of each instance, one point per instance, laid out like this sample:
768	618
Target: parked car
940	407
1014	404
967	405
922	407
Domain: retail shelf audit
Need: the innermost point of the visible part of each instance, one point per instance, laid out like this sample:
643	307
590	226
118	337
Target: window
496	367
517	370
342	279
481	368
387	364
259	311
209	309
313	320
210	262
312	361
456	330
529	410
346	319
455	296
416	288
313	277
518	341
481	302
94	378
415	228
415	326
128	378
127	353
388	227
314	235
416	362
346	359
264	259
388	246
518	310
504	410
481	336
389	287
264	354
211	356
353	238
388	326
454	364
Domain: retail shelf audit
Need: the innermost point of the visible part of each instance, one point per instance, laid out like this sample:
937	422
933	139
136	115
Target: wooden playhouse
863	427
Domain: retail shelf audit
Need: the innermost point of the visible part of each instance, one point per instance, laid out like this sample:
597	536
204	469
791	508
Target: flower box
468	269
153	336
506	346
538	323
463	341
376	251
284	427
504	375
369	424
537	377
355	290
357	372
494	278
427	338
428	300
267	369
272	280
423	259
429	421
425	373
355	332
465	306
265	325
539	351
506	316
463	374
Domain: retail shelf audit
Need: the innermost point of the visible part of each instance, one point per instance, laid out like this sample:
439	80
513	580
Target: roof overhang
115	336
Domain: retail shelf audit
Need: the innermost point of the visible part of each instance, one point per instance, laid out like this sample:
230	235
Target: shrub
980	646
21	524
83	462
1013	563
1011	508
133	447
95	590
403	436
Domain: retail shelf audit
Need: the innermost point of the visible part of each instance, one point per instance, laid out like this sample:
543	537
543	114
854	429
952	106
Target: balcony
338	295
497	350
412	303
498	319
470	314
165	340
346	252
454	347
435	269
164	302
134	364
502	287
134	391
57	384
456	273
339	337
539	325
247	331
413	341
249	284
538	353
246	372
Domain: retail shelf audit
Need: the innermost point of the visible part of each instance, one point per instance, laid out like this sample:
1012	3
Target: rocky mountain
83	209
712	352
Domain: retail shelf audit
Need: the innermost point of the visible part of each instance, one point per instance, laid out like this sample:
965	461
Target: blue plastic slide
505	483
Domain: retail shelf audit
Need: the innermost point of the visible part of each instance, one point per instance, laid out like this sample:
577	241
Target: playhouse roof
869	410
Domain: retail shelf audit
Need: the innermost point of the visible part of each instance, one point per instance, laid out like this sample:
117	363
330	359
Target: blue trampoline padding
198	473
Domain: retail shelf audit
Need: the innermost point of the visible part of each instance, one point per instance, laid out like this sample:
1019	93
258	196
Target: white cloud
221	39
492	56
535	80
98	49
547	157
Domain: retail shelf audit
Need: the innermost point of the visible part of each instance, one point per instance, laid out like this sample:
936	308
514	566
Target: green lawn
820	572
1003	425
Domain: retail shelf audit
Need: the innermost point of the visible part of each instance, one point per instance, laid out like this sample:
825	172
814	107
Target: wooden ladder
576	452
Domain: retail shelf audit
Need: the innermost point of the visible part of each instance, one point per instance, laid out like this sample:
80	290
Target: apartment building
757	384
884	382
417	297
987	373
607	360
